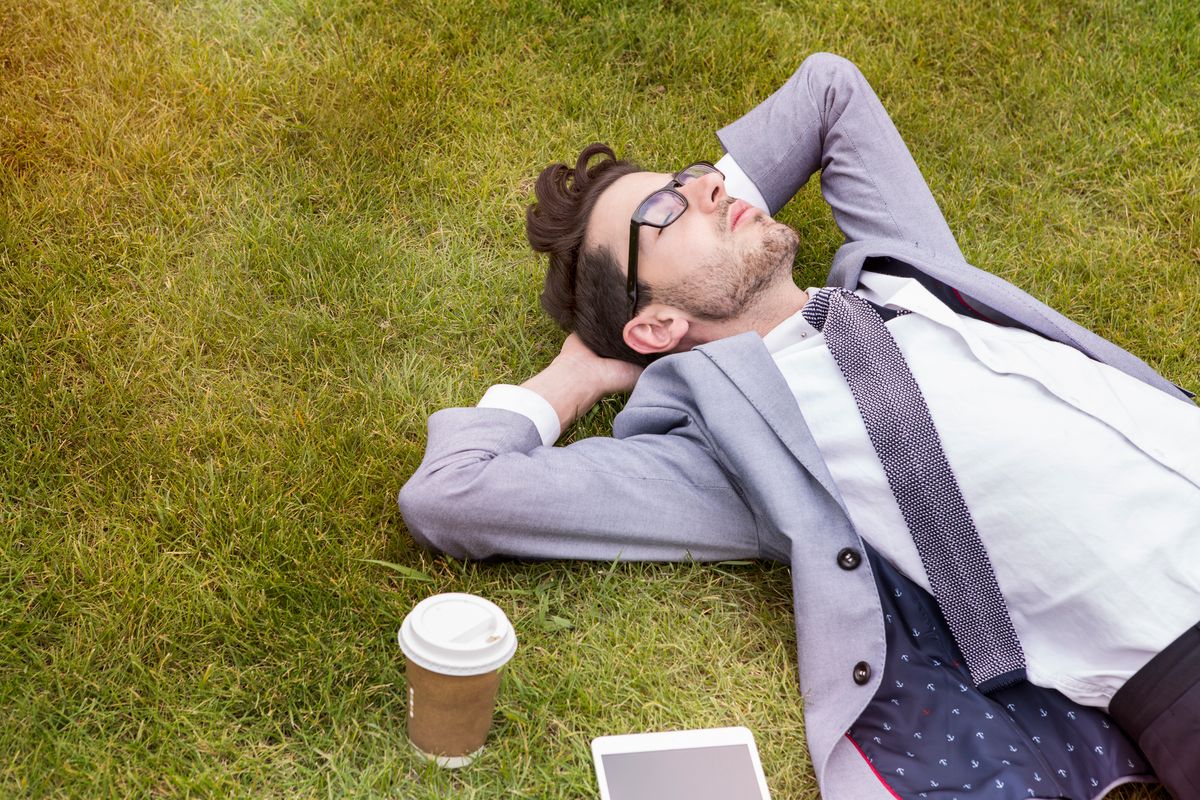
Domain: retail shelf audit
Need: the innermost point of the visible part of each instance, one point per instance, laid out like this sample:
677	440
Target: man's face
712	262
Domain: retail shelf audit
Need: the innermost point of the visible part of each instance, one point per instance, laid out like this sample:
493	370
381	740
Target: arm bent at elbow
487	487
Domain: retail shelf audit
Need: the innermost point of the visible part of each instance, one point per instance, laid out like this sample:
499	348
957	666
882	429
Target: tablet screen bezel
675	740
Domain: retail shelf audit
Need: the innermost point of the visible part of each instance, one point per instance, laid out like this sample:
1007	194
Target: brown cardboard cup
456	645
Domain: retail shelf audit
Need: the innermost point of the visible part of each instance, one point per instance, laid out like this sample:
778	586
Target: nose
705	193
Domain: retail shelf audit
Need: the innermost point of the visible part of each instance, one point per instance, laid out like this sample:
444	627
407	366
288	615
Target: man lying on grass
991	514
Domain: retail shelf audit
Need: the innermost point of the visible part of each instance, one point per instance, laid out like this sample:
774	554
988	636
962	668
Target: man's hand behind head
577	378
604	375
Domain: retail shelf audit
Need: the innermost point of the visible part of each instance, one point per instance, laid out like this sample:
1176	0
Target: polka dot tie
908	446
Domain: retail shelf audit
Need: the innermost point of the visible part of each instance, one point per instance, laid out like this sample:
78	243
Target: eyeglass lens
661	208
694	171
664	206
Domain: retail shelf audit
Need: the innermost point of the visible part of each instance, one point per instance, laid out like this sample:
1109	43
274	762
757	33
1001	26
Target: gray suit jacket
712	459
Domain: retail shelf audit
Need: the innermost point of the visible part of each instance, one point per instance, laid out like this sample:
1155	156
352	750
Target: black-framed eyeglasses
659	210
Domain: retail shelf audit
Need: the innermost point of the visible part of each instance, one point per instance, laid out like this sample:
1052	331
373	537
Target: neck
772	308
777	307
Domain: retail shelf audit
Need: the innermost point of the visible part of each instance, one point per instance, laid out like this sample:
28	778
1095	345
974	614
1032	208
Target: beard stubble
729	283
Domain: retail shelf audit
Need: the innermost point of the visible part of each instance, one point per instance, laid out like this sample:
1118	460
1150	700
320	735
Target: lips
737	211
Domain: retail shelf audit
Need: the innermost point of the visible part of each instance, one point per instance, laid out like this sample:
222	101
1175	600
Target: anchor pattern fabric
929	733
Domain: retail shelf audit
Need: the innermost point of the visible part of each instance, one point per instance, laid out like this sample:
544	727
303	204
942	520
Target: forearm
552	399
487	487
827	117
577	378
568	391
564	391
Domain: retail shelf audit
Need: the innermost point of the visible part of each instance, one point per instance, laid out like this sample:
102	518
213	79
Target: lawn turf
248	247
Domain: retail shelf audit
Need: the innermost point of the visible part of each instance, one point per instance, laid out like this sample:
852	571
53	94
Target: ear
656	329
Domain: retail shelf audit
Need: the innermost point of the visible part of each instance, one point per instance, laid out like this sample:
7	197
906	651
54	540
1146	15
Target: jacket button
848	558
862	673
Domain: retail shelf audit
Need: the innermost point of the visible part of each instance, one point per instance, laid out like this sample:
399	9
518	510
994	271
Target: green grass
248	247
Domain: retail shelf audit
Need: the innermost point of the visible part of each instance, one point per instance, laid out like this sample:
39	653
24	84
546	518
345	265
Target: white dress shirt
1084	483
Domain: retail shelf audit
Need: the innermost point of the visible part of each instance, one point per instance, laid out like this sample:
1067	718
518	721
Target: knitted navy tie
907	444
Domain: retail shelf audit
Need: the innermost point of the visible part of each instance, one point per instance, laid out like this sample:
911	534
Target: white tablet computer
713	764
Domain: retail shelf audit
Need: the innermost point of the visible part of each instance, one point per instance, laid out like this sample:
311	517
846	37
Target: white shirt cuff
739	185
528	404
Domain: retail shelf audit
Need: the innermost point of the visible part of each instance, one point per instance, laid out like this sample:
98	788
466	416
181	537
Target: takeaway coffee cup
455	645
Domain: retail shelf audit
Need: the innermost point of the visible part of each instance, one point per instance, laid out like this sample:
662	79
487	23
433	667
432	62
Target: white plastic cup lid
457	634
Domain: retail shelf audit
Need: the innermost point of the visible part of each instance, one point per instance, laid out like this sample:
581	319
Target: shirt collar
790	331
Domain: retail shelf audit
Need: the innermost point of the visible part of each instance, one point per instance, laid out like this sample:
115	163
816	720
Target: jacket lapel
745	361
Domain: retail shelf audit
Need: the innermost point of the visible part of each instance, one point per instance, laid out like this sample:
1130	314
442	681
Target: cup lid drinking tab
457	634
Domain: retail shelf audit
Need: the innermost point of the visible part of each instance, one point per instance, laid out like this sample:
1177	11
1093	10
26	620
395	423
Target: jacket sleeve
488	487
827	117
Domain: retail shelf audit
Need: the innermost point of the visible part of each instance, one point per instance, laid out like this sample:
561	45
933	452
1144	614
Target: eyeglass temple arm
631	265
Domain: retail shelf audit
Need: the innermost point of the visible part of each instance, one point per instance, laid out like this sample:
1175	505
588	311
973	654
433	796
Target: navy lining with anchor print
929	733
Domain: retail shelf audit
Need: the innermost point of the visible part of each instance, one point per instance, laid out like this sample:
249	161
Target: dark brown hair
585	289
